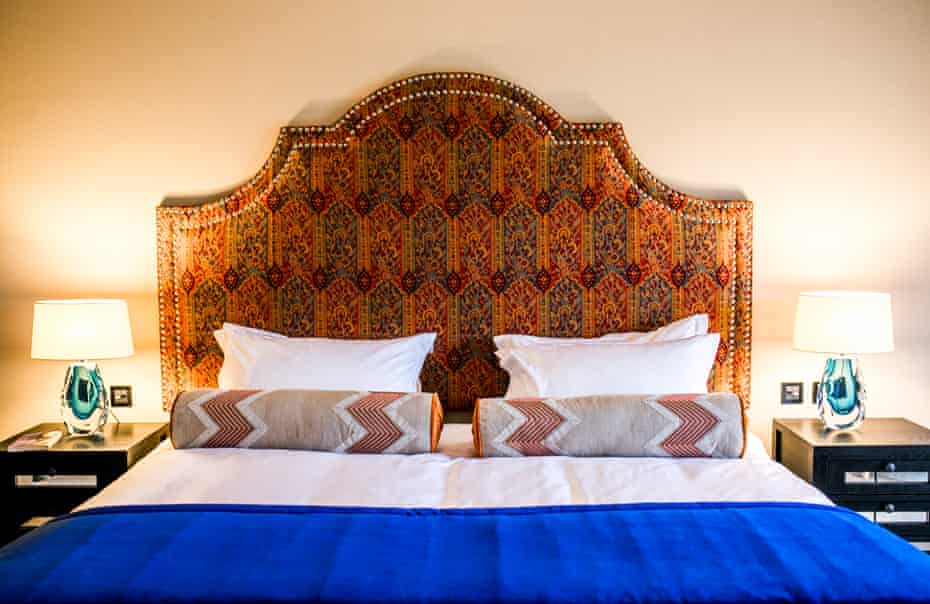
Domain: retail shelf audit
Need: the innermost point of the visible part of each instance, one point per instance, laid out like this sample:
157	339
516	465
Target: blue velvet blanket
645	553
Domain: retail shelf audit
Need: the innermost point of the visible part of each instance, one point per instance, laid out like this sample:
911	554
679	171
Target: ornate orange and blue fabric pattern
455	203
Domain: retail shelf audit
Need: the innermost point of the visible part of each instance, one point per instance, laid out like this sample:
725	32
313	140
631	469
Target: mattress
450	478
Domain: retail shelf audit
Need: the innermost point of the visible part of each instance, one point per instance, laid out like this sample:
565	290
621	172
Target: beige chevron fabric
350	422
668	425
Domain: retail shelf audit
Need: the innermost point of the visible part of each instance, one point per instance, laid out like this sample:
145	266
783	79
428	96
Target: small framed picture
121	396
792	393
815	386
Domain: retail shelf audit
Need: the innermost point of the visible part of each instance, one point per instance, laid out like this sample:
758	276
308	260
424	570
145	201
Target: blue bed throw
644	553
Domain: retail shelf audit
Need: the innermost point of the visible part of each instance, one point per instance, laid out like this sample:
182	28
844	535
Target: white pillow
232	371
695	325
688	327
254	358
604	367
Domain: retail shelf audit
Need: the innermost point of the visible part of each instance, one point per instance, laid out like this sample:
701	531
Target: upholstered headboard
456	203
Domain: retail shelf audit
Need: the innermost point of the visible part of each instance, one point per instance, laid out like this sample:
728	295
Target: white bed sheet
446	479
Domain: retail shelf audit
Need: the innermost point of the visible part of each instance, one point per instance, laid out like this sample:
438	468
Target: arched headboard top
457	203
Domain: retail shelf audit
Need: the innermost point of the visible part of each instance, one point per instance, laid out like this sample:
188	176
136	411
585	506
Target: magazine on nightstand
35	441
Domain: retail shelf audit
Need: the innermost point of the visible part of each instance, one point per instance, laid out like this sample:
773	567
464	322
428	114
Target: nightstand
881	469
52	482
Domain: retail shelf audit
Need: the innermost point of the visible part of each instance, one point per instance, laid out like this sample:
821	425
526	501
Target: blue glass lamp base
85	405
841	396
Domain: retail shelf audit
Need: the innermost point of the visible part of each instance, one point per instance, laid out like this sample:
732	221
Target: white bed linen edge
444	480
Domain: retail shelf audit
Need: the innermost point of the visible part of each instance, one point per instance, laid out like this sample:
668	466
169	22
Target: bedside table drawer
48	483
907	517
27	502
53	480
875	477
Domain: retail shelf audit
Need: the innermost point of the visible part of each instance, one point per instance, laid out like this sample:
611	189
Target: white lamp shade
843	322
74	330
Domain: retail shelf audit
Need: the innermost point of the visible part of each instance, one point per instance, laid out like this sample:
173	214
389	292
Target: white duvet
450	478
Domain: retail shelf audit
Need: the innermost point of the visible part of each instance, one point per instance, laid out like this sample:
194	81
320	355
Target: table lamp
841	323
80	331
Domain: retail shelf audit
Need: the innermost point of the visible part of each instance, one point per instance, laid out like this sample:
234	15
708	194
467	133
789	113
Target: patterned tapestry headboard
456	203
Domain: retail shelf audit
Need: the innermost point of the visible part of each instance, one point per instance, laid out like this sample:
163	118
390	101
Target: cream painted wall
815	110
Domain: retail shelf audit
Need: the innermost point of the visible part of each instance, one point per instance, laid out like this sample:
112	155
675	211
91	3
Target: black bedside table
52	482
881	469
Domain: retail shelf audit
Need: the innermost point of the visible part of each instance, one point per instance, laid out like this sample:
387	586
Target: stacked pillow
675	358
255	358
694	325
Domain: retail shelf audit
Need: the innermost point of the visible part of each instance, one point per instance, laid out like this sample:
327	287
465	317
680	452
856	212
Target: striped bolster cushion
668	425
320	420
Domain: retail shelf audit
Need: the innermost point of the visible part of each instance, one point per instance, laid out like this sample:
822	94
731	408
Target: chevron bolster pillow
319	420
664	425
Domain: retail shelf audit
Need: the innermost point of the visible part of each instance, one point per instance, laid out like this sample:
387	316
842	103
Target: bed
463	205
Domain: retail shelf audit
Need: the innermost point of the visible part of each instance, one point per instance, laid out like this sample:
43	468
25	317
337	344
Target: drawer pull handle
889	508
46	481
891	467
